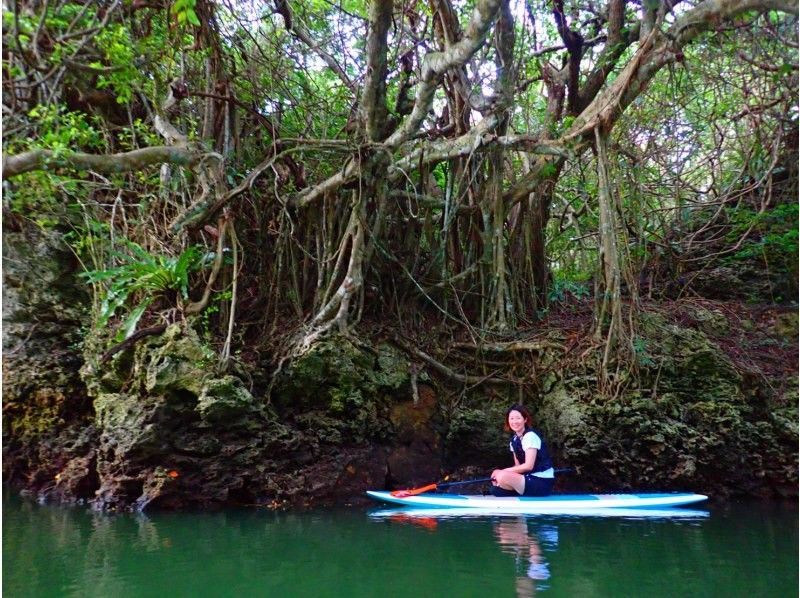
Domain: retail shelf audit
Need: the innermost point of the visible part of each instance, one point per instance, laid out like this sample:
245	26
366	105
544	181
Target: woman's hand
494	476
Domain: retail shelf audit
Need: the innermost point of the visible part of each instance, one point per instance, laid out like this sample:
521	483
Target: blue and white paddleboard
414	513
556	503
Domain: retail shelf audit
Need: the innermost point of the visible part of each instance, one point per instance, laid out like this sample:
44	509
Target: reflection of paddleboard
424	514
556	503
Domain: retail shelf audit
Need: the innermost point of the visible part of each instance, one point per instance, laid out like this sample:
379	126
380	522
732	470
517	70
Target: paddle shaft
448	484
405	493
478	481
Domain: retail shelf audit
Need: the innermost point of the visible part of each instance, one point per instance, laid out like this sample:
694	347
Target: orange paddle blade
415	491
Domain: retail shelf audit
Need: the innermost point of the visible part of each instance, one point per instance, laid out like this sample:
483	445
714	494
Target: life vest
543	461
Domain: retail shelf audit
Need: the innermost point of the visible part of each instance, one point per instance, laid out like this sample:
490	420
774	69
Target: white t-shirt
531	440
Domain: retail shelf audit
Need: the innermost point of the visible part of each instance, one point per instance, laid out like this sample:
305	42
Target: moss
689	425
709	321
41	412
392	370
562	412
128	423
475	435
225	400
166	398
685	362
338	367
786	326
177	360
348	387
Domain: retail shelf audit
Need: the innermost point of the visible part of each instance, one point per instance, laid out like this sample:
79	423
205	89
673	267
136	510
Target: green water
739	550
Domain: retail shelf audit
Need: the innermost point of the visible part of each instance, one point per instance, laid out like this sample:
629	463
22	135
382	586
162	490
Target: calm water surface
739	550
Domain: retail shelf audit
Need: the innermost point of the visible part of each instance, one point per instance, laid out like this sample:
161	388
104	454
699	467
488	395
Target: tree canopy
286	169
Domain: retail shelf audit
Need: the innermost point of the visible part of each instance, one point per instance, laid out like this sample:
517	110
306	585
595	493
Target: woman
532	473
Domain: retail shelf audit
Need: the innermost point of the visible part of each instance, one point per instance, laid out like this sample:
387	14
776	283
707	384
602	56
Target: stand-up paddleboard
555	503
413	513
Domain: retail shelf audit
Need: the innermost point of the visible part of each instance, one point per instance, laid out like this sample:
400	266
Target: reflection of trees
97	573
514	538
83	551
21	551
89	554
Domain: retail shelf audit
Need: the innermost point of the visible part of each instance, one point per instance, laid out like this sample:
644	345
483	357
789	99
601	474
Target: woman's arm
514	468
530	459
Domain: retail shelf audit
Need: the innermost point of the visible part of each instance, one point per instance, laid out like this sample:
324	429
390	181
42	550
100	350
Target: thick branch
708	15
373	100
435	64
443	369
655	51
479	138
300	32
605	64
132	340
616	19
512	346
181	155
574	44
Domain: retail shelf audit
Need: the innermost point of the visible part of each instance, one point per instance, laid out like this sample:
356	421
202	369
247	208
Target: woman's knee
504	478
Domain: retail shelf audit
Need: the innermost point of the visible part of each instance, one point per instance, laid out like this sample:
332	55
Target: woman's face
515	421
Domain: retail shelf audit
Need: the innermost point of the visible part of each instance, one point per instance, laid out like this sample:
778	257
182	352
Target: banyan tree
277	171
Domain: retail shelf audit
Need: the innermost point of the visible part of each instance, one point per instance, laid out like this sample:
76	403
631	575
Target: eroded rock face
48	430
175	433
159	427
415	455
694	424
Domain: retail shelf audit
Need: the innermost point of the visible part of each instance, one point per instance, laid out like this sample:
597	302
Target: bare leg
508	480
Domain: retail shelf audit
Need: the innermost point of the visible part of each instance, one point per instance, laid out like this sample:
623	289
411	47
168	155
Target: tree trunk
611	307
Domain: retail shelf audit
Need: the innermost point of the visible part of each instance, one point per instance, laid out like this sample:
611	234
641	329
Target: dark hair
522	410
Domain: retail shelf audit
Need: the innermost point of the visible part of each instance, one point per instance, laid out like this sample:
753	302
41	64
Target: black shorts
534	486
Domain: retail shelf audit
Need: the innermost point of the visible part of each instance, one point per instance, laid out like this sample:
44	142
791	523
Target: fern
143	276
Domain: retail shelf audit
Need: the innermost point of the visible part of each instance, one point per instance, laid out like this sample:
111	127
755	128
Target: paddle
429	487
440	485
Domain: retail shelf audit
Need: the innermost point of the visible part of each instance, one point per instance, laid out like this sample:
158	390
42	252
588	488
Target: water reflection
527	546
533	541
740	551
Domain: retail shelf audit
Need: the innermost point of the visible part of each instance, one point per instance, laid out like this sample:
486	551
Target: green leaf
548	169
192	17
109	306
129	326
